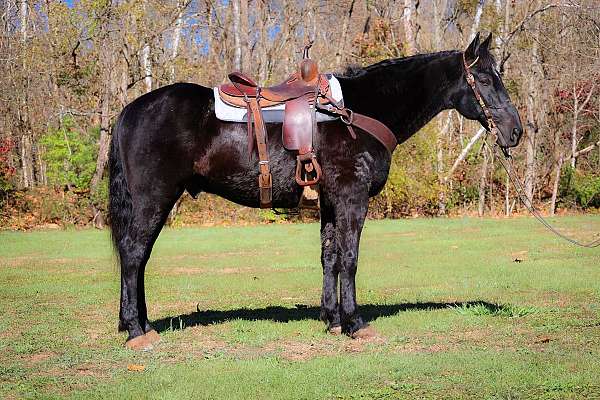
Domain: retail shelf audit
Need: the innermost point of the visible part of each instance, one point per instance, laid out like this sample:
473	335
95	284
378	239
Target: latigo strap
265	181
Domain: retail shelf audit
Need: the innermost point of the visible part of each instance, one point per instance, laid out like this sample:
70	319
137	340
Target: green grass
237	309
502	310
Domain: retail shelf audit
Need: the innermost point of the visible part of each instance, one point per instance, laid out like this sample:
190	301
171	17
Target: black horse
169	141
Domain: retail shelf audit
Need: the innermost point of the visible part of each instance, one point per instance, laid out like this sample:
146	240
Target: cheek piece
493	129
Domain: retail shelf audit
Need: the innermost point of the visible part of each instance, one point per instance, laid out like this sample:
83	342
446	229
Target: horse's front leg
350	213
330	313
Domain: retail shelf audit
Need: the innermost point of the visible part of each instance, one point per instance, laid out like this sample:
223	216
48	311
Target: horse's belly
241	187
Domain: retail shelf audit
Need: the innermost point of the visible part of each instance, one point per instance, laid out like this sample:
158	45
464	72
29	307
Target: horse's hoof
335	330
152	336
366	333
139	343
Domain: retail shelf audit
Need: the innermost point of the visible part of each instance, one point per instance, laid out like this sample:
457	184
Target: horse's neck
404	94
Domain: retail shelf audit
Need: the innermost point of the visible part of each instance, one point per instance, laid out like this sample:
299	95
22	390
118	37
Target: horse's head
478	61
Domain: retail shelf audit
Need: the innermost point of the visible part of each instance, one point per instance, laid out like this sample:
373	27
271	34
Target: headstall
493	130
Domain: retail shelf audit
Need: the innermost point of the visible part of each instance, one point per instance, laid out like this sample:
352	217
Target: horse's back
174	106
161	132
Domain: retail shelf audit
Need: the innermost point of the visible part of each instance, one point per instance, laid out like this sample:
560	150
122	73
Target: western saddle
302	93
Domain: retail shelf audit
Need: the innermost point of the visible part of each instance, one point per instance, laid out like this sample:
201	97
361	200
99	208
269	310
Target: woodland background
68	67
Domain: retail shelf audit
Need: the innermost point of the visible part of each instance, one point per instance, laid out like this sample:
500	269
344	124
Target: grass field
467	308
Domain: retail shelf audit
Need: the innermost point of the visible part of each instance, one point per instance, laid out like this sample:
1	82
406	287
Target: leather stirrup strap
265	182
249	119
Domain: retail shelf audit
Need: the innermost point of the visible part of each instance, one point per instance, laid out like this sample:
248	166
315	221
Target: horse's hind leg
134	249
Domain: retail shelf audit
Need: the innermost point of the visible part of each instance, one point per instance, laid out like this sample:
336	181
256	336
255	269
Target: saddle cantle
301	94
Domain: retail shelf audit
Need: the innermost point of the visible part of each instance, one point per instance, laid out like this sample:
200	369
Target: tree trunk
7	11
532	120
439	9
123	98
147	68
26	161
210	30
409	29
263	43
507	194
482	184
477	19
441	140
341	47
500	34
310	22
24	9
574	127
555	186
500	37
176	39
237	44
245	44
103	144
441	132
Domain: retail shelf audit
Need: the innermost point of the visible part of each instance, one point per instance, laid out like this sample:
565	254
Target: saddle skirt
273	114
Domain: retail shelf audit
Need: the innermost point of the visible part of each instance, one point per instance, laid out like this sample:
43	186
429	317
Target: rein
507	164
530	207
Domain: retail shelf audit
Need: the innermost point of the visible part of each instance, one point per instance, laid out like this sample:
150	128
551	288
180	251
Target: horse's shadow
370	312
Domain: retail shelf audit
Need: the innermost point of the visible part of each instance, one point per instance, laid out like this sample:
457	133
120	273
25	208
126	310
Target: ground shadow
300	312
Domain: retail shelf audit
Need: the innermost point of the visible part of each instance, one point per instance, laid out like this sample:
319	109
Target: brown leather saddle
302	93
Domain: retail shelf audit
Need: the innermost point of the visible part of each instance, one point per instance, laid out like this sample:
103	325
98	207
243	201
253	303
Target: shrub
6	172
70	155
579	188
412	186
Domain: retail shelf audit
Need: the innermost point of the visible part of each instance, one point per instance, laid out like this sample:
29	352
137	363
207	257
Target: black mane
486	60
354	70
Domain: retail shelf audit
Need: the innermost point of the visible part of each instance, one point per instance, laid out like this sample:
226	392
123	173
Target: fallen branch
584	150
464	153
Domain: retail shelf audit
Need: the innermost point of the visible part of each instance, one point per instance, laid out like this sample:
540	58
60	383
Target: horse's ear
485	45
472	51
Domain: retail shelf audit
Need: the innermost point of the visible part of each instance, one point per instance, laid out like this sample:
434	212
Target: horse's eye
486	82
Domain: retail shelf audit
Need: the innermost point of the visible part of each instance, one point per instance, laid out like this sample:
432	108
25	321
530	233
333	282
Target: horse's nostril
516	133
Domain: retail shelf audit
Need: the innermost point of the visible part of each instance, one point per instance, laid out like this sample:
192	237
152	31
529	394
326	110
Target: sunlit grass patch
494	310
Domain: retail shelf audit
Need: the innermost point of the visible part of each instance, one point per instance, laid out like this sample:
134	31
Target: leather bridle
493	130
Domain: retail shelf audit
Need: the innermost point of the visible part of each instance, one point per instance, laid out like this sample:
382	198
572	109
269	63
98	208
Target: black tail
119	206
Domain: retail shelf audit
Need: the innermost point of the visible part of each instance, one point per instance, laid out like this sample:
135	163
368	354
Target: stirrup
310	198
308	170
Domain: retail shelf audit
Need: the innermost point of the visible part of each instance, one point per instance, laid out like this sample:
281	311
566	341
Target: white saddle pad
228	113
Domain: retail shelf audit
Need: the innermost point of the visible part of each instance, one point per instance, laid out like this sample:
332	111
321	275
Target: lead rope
507	159
529	205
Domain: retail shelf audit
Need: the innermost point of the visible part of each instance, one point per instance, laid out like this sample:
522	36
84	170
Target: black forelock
486	60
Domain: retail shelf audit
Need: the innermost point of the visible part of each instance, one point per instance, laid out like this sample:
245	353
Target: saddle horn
306	48
309	71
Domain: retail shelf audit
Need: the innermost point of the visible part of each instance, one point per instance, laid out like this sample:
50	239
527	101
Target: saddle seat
297	85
